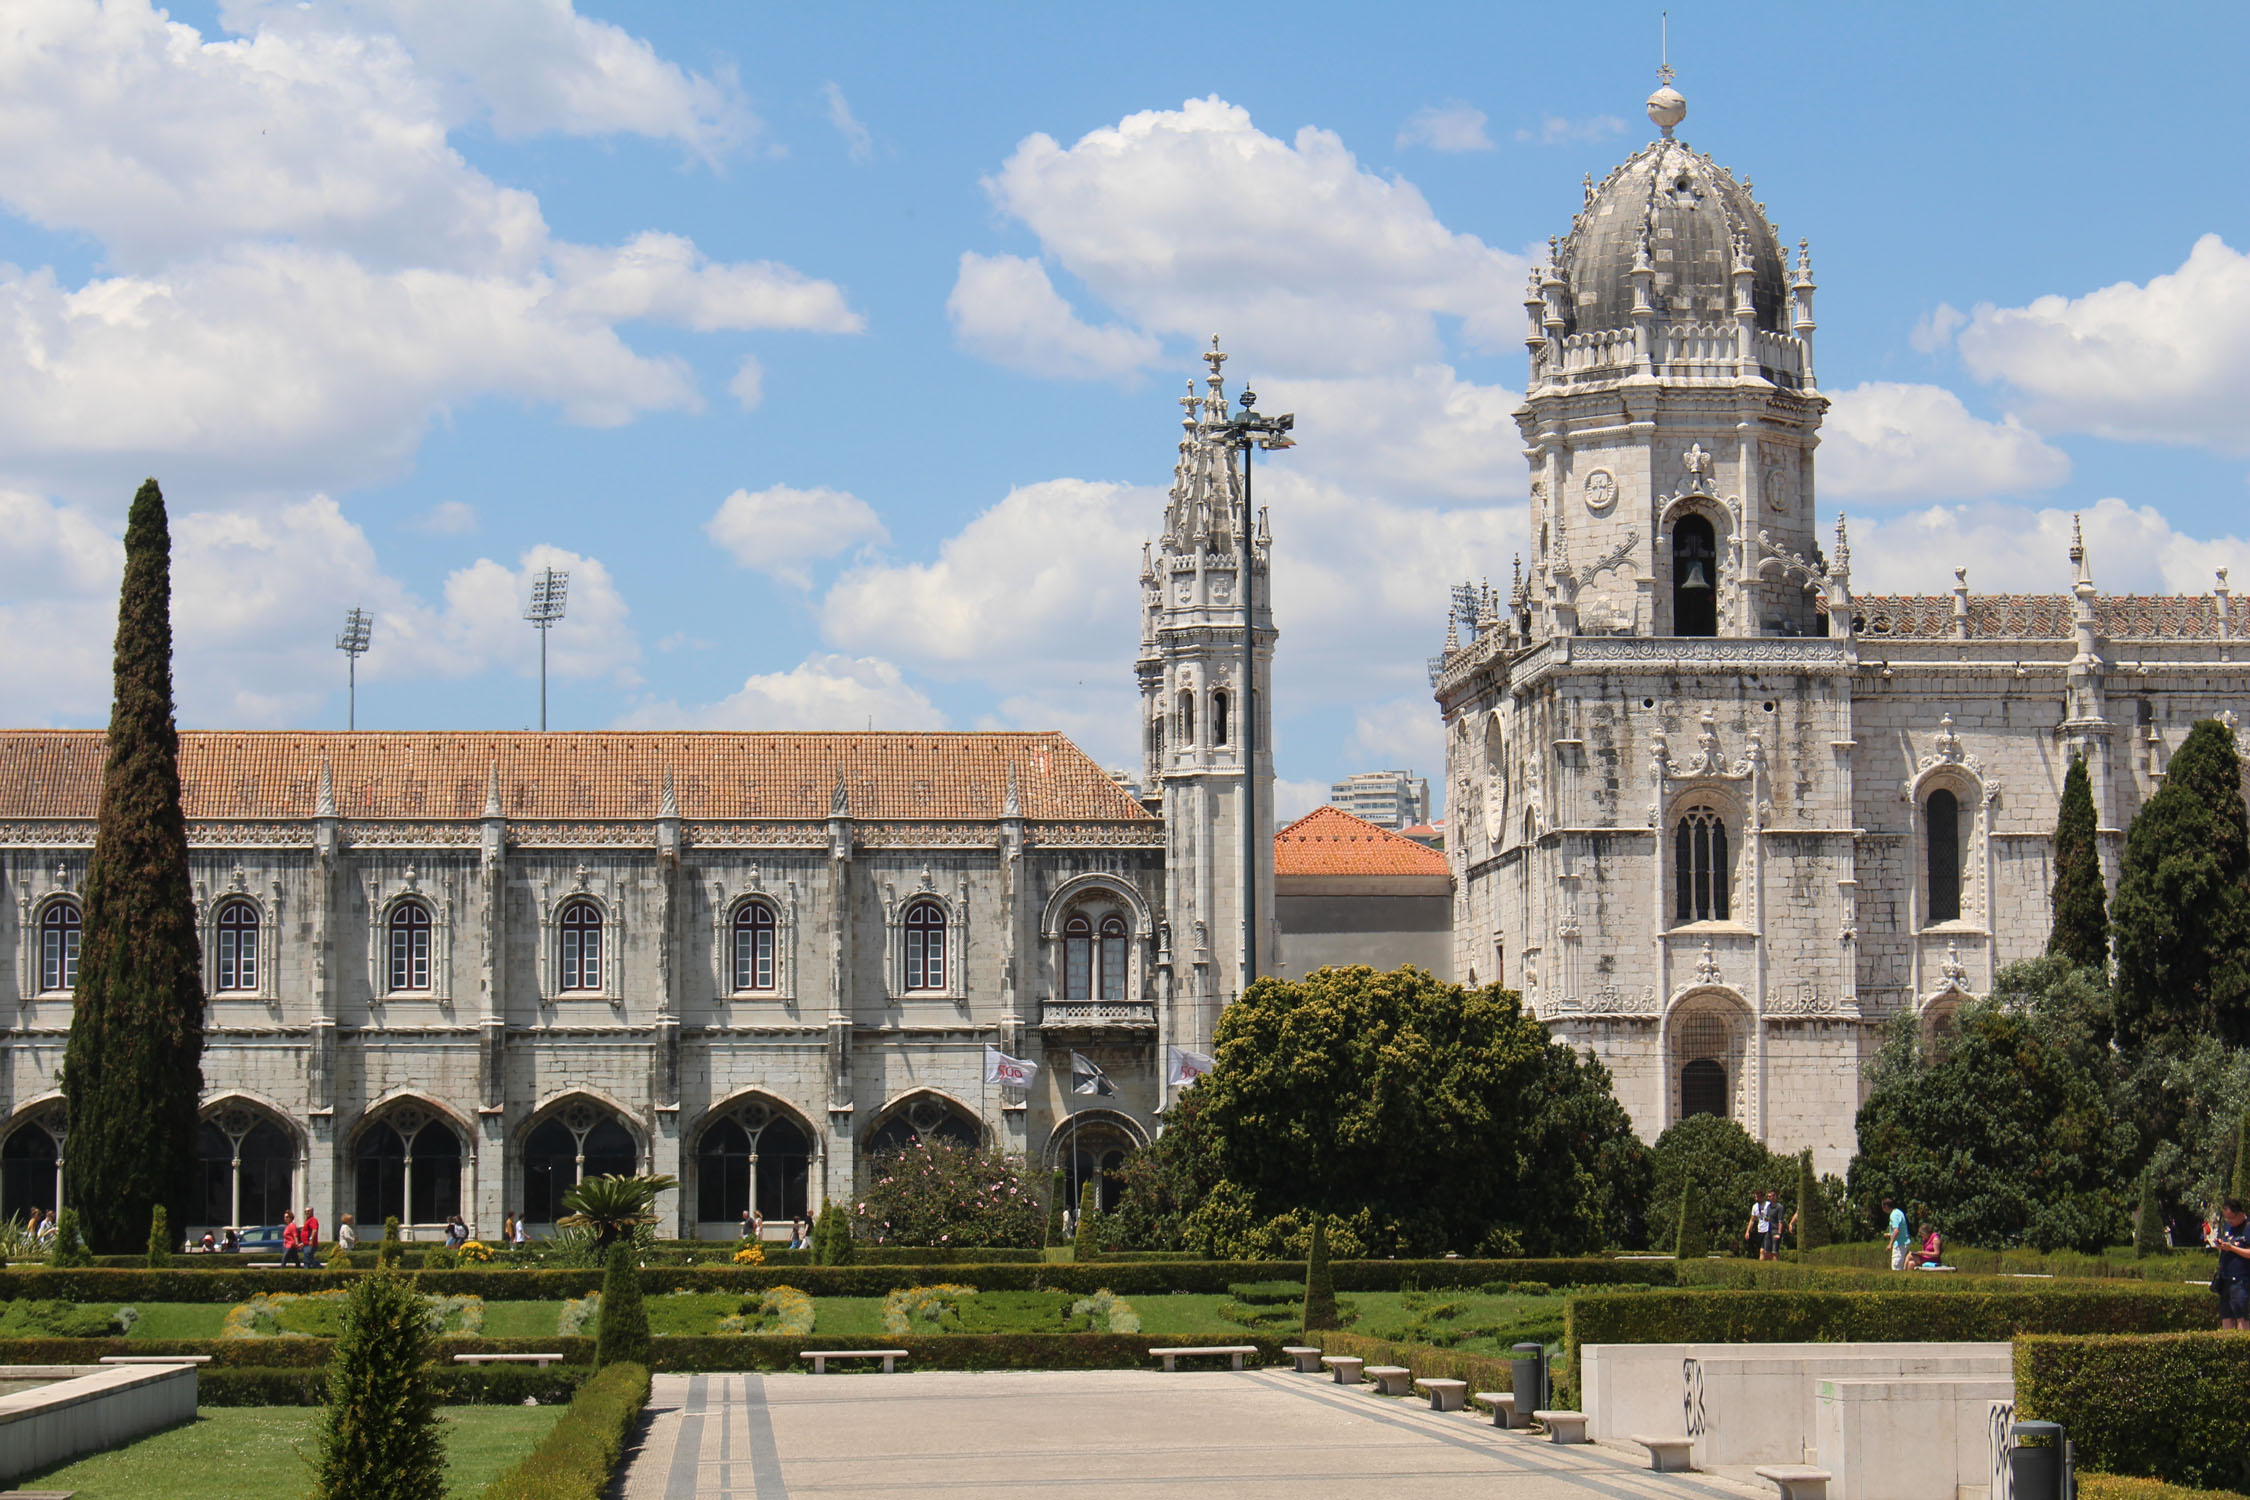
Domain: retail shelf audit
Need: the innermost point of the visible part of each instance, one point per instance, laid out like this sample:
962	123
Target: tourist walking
292	1241
521	1238
2231	1238
456	1233
309	1237
1895	1220
347	1235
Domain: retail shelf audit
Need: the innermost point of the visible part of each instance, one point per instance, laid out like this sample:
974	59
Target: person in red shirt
309	1237
292	1240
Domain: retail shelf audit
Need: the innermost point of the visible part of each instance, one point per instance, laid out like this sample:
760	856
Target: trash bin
2035	1461
1531	1379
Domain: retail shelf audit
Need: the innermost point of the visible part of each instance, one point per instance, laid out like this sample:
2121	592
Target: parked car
262	1239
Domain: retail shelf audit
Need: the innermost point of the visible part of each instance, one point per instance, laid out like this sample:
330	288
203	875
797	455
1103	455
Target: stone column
489	1205
837	1173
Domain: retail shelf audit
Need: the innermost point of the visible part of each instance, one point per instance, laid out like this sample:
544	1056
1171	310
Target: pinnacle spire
324	800
492	806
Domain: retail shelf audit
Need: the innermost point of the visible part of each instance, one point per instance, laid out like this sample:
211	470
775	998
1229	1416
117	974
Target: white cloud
1421	432
664	278
2165	362
1192	220
777	531
58	608
1446	127
2012	549
482	625
1557	130
749	384
1293	799
1005	309
821	692
1405	734
447	518
1935	329
857	140
1885	441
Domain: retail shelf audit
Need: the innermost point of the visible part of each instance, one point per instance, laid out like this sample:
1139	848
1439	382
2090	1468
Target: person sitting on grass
1932	1250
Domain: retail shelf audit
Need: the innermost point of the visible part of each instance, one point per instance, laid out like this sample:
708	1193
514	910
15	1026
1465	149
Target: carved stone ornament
1601	491
1804	998
1955	972
1699	466
1609	1000
1707	965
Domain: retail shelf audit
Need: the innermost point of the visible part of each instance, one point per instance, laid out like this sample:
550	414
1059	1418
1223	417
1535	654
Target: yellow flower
751	1254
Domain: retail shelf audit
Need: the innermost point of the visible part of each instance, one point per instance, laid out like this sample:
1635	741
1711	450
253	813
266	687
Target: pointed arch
753	1151
922	1112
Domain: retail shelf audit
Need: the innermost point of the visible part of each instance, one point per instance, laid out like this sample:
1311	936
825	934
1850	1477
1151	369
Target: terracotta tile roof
56	773
2047	617
1330	841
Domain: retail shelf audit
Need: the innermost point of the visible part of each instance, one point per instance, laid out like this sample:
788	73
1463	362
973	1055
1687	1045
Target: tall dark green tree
2182	915
133	1068
2081	902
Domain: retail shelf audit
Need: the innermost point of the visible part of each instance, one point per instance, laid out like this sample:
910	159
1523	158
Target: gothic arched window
237	931
30	1172
1695	578
1219	718
581	926
925	946
1078	959
59	927
1703	1088
410	948
738	1168
245	1165
1113	958
1702	871
1941	822
1187	716
753	946
560	1154
408	1168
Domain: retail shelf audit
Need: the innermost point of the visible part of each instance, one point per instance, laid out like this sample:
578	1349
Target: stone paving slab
1122	1434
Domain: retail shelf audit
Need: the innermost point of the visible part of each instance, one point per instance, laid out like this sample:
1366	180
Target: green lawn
521	1320
179	1320
252	1453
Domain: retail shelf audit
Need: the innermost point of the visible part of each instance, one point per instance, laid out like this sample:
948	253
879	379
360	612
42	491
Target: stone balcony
1097	1015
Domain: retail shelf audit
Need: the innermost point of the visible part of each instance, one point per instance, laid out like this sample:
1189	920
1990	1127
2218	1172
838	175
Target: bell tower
1206	605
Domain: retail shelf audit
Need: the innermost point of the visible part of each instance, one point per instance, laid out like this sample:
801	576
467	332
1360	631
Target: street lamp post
1248	431
359	626
550	588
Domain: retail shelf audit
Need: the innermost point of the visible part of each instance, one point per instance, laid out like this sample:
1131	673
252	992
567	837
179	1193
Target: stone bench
156	1359
1308	1360
1347	1367
1234	1352
821	1357
1796	1481
1562	1426
507	1359
1445	1395
1667	1455
1503	1404
1391	1380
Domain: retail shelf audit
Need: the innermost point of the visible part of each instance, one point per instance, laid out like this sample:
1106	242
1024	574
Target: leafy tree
612	1206
1812	1212
2081	901
1727	1167
2185	1096
1320	1286
1167	1181
378	1438
159	1239
1586	1176
1391	1092
941	1193
624	1328
133	1067
2004	1134
2182	915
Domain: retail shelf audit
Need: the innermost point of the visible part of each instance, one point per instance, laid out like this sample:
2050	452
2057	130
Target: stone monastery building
1717	816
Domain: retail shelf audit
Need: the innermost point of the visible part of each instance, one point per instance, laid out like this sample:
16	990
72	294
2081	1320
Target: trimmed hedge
578	1457
2171	1264
2092	1486
2174	1407
457	1385
1785	1317
272	1354
1484	1372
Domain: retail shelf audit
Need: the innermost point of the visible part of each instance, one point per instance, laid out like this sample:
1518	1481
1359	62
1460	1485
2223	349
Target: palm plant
611	1206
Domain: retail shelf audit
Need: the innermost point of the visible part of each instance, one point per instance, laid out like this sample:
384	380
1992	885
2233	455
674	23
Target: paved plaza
1121	1434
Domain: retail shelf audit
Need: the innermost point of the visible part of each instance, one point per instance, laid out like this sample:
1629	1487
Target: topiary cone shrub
1083	1244
624	1331
1812	1222
1320	1286
159	1238
2148	1223
1056	1193
388	1253
1692	1240
70	1246
378	1438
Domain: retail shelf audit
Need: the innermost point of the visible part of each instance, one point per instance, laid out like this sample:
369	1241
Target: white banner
1183	1066
1008	1072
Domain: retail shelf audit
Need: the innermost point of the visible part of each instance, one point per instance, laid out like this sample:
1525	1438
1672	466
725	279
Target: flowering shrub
476	1253
936	1308
751	1254
1105	1312
783	1309
937	1193
577	1312
320	1315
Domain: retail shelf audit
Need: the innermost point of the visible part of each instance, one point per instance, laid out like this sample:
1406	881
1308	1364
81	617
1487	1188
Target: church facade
1718	817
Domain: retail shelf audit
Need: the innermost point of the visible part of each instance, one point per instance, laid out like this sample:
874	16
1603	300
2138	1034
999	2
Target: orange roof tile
56	773
1330	841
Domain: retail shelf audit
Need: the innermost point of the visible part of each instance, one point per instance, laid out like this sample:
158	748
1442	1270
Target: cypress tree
1692	1240
1320	1285
1082	1245
624	1331
2148	1223
133	1067
159	1239
2182	915
2080	901
379	1437
1056	1192
1812	1223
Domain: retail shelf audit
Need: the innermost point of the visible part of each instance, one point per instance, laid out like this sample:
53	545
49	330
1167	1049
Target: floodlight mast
550	588
359	626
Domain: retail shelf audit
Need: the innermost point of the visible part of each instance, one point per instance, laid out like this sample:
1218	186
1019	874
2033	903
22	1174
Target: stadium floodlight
550	589
359	628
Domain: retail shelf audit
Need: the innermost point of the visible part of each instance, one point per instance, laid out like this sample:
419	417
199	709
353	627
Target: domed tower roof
1690	213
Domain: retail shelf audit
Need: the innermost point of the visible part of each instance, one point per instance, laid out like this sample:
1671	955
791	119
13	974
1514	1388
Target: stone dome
1690	209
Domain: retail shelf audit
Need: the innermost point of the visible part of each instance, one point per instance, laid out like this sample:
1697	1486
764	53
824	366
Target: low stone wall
1908	1439
87	1409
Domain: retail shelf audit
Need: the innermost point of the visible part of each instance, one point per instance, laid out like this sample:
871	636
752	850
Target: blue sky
835	350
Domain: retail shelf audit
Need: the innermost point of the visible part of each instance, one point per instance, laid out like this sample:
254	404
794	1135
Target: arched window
409	1168
1695	578
925	946
581	925
568	1148
244	1167
753	946
59	928
1078	959
1219	725
757	1160
1094	967
1703	1087
1702	871
237	930
30	1172
1941	823
1187	716
924	1118
1702	1046
1093	1151
1113	958
410	947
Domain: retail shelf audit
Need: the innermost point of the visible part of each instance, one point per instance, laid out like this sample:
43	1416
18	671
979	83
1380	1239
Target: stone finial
1707	969
668	800
1011	803
492	805
840	800
1667	106
324	798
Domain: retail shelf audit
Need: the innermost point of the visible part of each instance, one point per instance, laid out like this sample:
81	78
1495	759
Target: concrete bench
821	1357
1391	1380
1347	1367
156	1359
264	1265
1562	1426
1233	1352
1308	1360
1503	1404
1796	1481
507	1359
1445	1395
1667	1455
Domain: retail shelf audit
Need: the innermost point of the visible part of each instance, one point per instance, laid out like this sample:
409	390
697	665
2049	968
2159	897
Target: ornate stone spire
492	804
324	799
1011	805
667	801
